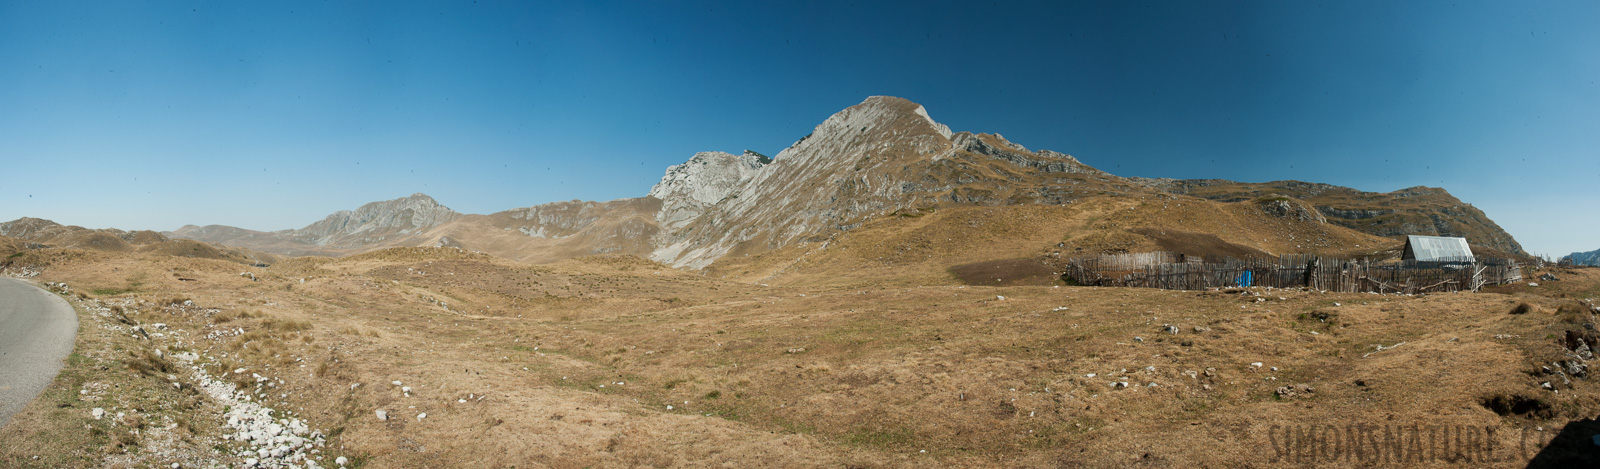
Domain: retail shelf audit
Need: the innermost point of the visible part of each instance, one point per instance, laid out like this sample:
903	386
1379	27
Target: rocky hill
1415	210
882	158
377	224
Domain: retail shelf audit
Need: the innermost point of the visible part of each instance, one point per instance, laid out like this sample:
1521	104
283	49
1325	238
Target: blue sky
270	115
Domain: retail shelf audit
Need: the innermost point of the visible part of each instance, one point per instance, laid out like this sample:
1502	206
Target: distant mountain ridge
1585	258
33	233
372	224
884	156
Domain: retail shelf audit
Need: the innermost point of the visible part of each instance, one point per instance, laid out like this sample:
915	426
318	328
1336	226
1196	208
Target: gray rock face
1353	214
404	215
1044	161
705	180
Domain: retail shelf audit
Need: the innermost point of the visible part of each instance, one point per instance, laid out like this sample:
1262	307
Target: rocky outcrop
705	180
1289	209
998	147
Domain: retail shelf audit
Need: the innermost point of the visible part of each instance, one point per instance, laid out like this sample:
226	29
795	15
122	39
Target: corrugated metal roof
1438	248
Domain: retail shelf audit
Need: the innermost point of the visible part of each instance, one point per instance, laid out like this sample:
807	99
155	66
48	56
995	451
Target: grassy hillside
1416	210
1026	244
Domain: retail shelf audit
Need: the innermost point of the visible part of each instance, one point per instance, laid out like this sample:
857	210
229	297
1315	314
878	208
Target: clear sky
270	115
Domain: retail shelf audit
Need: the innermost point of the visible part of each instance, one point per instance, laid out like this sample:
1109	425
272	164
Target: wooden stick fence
1171	271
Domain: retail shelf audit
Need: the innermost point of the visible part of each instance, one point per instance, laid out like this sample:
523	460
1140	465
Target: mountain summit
377	221
870	159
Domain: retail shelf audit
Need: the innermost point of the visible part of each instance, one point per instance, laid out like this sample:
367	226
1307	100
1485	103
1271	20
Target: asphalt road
36	334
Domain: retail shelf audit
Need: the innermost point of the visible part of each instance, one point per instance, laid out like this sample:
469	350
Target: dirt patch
1517	405
1198	244
1006	272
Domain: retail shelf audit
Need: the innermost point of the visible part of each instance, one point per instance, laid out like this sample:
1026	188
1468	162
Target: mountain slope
1415	210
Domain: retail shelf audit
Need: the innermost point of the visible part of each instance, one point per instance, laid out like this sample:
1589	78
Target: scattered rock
1298	390
382	415
1548	277
98	413
1574	368
1255	364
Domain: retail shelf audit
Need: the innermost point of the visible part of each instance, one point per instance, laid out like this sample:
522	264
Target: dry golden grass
574	364
148	422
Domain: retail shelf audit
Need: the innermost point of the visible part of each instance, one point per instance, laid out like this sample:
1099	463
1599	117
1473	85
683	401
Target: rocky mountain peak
405	215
